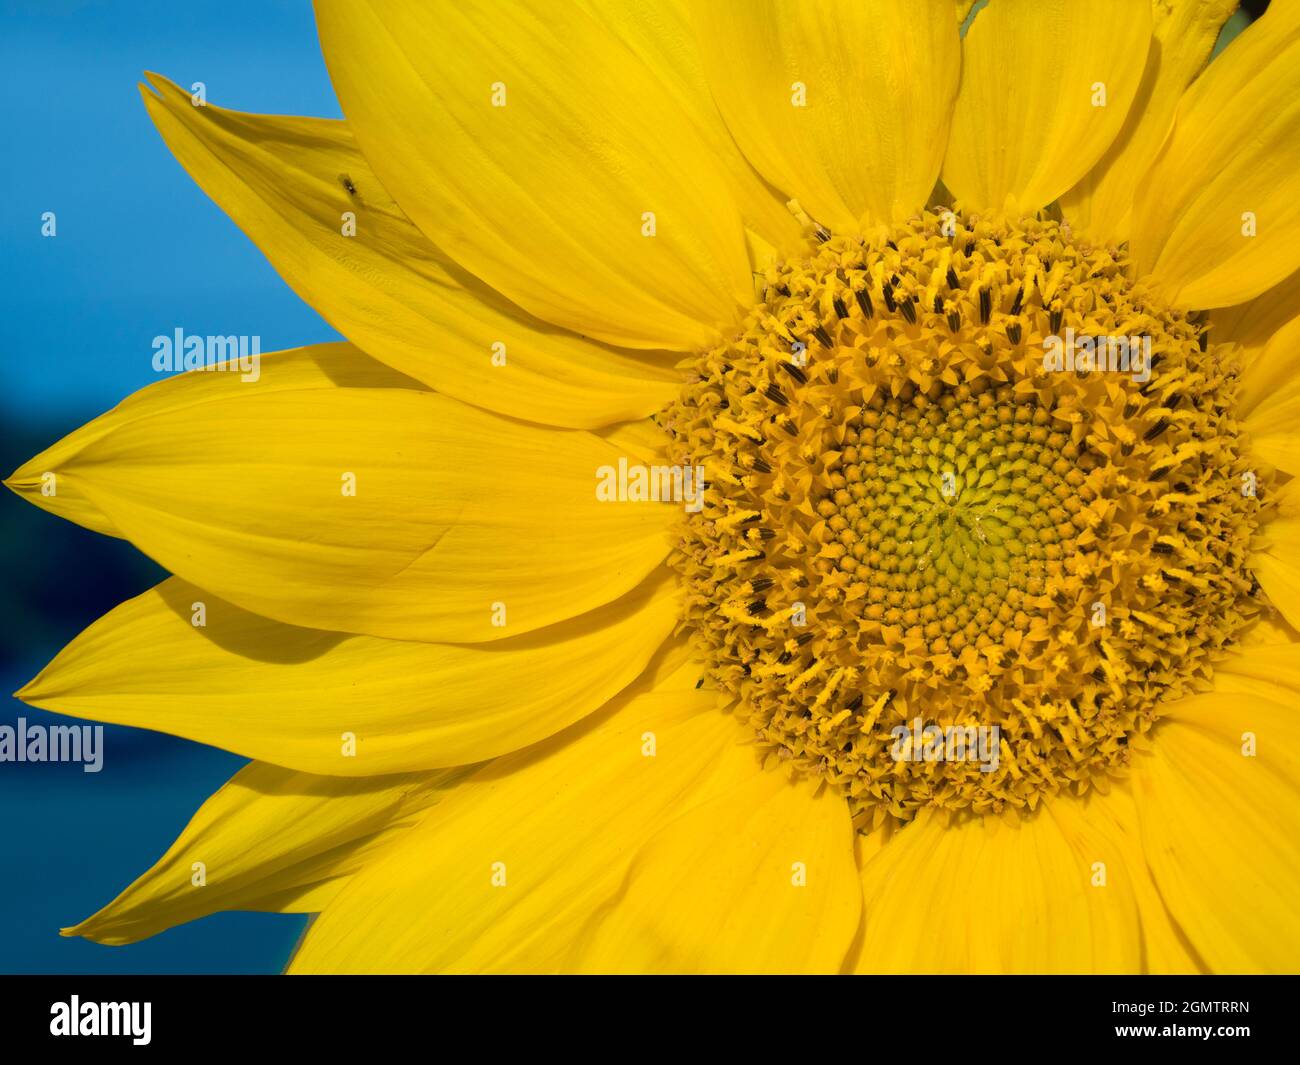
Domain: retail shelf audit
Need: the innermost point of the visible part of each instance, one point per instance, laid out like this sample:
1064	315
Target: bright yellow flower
998	658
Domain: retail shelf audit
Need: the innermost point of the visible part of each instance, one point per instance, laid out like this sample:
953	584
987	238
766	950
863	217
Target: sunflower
955	658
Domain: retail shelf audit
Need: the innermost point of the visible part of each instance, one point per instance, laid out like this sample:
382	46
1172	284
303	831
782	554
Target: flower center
977	504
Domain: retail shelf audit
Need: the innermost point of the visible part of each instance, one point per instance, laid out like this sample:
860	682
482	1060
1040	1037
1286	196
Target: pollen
967	474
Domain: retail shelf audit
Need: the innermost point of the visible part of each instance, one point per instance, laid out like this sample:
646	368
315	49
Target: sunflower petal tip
23	482
35	692
19	481
78	930
91	929
156	88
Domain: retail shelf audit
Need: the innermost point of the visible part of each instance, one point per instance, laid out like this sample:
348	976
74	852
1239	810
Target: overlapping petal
269	839
1046	87
1275	558
762	880
1269	399
316	366
354	256
547	158
395	512
1252	324
989	896
348	705
1216	216
842	104
501	877
1183	36
662	35
1218	801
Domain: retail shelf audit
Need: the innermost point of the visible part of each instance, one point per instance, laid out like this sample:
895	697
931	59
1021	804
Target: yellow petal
269	839
1269	400
1269	378
500	876
842	104
663	37
546	157
393	512
1267	629
1029	120
1266	671
762	880
1114	814
315	366
1276	556
1184	32
1219	828
1227	171
643	440
989	896
328	703
1253	324
382	283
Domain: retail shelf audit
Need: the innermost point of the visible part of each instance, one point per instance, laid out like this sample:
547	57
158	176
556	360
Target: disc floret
914	514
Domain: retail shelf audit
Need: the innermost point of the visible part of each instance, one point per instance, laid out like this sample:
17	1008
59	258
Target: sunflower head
974	653
916	511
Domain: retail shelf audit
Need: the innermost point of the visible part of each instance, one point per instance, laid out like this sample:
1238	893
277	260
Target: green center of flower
946	511
977	504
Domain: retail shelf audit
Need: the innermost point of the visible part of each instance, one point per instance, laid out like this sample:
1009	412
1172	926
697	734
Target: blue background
140	250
